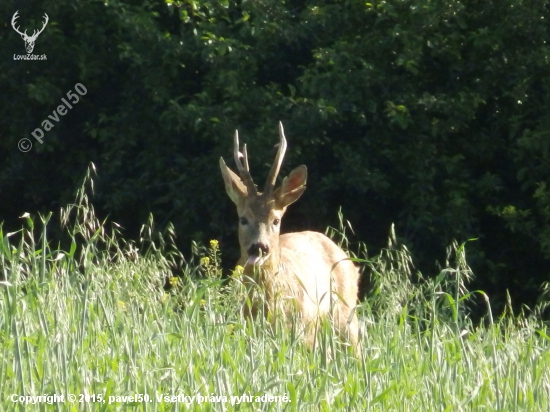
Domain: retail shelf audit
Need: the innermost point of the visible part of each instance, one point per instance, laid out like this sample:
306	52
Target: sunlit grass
95	321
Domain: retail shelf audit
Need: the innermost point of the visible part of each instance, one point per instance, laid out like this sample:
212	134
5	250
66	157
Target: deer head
260	214
29	40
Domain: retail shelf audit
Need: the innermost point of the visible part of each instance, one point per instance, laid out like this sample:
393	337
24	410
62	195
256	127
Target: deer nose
258	248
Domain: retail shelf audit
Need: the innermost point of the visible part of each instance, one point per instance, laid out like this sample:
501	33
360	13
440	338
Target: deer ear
233	184
292	188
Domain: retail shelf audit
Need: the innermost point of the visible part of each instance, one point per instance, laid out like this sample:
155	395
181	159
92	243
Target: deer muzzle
257	254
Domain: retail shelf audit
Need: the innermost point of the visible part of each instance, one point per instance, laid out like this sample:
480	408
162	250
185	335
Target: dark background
433	115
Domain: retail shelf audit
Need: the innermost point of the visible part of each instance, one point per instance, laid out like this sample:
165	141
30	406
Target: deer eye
276	222
243	221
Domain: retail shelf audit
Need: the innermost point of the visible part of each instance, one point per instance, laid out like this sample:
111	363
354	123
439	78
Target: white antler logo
29	40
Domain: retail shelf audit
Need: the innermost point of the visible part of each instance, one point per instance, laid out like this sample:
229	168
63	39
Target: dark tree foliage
432	114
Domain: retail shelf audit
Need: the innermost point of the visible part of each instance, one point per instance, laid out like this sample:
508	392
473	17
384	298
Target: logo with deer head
29	40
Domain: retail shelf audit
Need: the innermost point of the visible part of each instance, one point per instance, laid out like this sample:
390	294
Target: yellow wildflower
239	270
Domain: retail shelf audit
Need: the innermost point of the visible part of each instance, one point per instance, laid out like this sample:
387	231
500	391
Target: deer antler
14	18
274	172
35	32
242	167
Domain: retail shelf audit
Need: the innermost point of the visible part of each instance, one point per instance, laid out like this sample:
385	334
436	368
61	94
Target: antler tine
242	166
272	178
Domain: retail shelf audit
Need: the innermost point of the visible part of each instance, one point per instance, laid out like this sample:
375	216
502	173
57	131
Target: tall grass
93	320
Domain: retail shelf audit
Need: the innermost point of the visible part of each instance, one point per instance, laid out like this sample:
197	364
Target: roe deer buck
305	270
